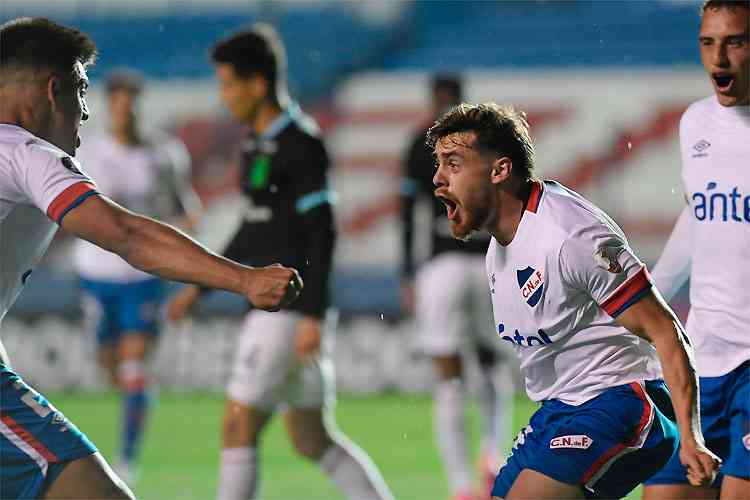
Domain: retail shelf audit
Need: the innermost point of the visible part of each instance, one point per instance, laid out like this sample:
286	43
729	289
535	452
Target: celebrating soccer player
577	305
711	245
43	86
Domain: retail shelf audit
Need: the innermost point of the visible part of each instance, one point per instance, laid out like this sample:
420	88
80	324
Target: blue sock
134	416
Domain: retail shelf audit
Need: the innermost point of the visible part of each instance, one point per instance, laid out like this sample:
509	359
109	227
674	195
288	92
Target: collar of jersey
742	112
535	197
17	128
281	122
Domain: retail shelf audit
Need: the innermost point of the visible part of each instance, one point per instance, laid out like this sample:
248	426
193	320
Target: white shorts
454	307
266	370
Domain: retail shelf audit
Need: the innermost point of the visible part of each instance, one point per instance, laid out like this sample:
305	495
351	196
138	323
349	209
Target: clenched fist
701	464
273	287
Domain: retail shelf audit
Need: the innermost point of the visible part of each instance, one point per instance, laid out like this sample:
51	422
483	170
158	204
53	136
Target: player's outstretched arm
673	267
652	319
160	249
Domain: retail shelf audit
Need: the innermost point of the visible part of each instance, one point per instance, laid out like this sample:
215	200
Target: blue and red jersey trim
628	293
618	448
70	198
27	437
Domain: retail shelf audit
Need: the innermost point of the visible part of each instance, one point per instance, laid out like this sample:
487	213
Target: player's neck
127	137
27	117
267	113
511	202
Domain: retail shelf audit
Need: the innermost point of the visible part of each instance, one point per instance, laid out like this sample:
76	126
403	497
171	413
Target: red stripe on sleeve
28	438
632	287
67	198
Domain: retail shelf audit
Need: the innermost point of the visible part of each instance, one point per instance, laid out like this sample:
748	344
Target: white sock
495	395
238	474
450	427
352	471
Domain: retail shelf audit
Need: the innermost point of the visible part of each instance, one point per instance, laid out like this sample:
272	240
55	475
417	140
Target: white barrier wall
370	356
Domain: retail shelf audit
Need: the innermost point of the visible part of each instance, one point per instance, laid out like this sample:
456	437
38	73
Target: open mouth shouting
451	206
723	81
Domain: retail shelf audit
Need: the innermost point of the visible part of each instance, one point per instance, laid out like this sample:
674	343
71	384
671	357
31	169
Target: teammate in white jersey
711	245
43	86
146	171
578	306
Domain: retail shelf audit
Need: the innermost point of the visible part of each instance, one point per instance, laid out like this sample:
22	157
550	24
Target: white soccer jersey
713	231
150	179
556	289
39	184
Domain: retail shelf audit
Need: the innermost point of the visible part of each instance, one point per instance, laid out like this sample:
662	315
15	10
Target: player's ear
259	86
54	90
501	169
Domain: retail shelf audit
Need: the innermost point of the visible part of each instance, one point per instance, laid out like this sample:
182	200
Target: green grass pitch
181	448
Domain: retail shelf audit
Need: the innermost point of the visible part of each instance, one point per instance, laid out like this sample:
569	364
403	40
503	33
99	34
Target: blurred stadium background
604	83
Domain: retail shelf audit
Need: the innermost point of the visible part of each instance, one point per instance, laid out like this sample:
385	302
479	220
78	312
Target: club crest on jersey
531	283
606	257
746	441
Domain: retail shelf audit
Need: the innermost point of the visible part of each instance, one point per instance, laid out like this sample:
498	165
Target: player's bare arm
307	342
651	319
162	250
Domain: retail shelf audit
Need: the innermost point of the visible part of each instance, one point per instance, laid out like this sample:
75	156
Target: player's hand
702	465
307	341
273	287
408	297
182	303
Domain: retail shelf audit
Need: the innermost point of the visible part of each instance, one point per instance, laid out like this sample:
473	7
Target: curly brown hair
500	130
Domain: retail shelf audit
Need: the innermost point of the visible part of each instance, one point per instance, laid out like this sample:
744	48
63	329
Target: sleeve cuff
70	198
315	199
628	293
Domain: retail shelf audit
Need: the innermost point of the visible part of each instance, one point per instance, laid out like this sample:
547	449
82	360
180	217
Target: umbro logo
700	147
